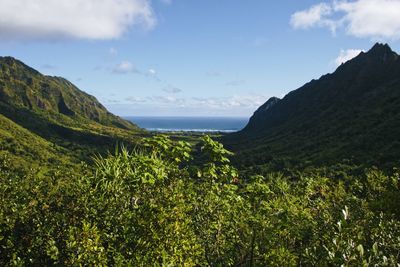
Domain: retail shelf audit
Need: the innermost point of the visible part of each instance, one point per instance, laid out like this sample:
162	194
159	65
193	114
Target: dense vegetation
300	191
22	86
351	115
48	121
170	204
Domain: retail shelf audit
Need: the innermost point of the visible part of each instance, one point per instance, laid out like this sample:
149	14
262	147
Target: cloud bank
176	105
210	103
376	19
72	19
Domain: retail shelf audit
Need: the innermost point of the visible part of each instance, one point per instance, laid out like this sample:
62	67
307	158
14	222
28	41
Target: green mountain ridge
24	87
350	115
54	110
175	203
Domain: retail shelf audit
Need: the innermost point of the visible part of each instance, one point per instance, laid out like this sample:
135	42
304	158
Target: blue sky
188	57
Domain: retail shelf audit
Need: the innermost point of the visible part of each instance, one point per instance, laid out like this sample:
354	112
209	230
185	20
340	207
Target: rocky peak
382	52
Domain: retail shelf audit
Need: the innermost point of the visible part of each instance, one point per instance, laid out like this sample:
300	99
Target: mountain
25	150
351	115
24	87
56	111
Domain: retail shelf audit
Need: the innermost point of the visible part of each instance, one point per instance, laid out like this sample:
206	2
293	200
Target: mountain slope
26	150
55	110
24	87
352	114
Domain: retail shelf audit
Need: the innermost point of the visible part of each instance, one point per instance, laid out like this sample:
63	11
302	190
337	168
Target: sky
191	57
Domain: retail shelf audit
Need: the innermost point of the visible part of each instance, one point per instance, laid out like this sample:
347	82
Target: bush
167	204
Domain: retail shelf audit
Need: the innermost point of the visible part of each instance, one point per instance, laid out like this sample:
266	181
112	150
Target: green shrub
169	204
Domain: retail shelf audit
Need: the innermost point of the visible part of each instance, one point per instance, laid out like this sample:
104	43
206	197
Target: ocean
190	124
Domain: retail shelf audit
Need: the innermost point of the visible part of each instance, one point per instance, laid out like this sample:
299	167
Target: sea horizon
189	123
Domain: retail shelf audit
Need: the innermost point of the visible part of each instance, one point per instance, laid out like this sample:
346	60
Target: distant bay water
190	124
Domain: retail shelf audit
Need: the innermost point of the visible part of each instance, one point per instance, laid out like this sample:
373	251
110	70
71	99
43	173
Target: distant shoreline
170	124
190	130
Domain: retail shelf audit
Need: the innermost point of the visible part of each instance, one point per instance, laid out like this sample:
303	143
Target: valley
312	179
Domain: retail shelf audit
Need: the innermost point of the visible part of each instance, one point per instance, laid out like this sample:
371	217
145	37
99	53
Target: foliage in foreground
163	206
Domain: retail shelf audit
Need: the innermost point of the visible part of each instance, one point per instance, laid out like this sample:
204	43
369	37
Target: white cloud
135	99
236	105
314	16
172	89
152	73
375	19
346	55
166	101
77	19
218	103
372	18
124	67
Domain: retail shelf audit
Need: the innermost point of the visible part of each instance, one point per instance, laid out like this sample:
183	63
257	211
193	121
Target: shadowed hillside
351	115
